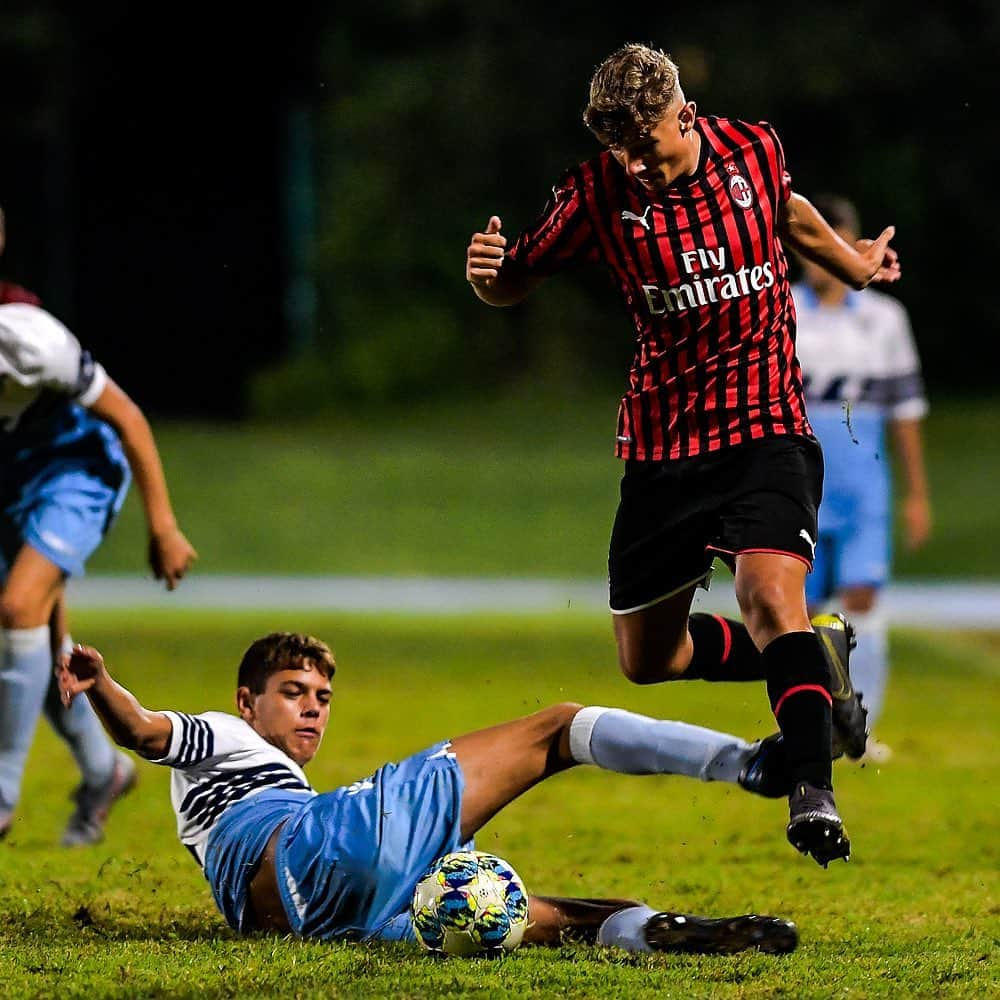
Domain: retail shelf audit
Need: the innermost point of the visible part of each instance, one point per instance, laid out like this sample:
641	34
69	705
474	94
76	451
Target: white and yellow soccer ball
470	903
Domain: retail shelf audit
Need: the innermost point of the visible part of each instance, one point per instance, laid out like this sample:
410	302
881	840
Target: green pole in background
299	202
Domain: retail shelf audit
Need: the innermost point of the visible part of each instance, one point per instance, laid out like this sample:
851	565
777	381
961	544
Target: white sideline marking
934	604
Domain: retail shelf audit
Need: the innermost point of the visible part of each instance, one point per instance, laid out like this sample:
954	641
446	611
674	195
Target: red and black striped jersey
704	279
11	293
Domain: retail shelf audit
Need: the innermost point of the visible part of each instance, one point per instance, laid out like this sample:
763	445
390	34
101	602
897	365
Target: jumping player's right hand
77	671
484	258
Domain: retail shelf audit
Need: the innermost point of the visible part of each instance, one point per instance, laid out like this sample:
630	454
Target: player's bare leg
770	590
665	642
654	644
502	762
30	591
554	919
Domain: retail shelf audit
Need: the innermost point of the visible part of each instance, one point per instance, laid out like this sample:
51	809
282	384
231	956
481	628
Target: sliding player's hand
77	671
171	556
484	257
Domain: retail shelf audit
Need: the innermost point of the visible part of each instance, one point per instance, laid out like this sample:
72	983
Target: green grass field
915	913
525	485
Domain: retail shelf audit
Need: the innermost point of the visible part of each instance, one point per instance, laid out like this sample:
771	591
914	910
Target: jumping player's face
658	156
291	712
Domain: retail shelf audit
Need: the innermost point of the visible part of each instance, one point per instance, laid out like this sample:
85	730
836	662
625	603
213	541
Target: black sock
798	684
723	651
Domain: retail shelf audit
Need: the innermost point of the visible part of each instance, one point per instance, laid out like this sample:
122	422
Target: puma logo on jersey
641	219
808	540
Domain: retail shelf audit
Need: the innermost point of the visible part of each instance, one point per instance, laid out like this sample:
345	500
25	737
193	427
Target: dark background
269	213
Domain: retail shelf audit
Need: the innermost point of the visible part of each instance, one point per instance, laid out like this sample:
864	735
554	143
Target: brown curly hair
282	651
630	92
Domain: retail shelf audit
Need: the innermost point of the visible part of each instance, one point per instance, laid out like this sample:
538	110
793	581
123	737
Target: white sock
25	668
626	929
621	741
870	660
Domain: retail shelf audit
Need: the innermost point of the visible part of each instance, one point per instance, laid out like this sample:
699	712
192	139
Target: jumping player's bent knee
653	665
769	610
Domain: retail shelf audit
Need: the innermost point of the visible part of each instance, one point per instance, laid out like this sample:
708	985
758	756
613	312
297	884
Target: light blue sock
625	929
870	661
25	668
80	727
621	741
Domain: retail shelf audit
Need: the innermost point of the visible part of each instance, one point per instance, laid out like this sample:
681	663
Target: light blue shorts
348	861
64	512
855	527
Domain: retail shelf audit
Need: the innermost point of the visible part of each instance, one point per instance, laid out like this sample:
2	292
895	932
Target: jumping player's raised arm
802	228
130	725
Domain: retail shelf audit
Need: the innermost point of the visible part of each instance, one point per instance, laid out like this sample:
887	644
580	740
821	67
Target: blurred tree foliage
436	113
427	117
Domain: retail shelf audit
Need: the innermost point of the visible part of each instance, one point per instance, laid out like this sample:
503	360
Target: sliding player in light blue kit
344	864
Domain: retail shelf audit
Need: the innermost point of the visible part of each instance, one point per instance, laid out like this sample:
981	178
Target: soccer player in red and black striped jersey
689	215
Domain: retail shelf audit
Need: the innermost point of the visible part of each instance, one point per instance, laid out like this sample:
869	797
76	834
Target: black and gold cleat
680	932
850	717
815	826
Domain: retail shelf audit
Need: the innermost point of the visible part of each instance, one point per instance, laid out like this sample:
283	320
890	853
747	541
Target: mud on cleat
815	826
850	717
680	932
766	772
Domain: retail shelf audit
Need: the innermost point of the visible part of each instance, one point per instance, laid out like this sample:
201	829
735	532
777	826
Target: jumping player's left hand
170	556
883	258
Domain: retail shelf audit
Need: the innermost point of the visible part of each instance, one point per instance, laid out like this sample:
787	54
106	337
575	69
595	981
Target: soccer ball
470	903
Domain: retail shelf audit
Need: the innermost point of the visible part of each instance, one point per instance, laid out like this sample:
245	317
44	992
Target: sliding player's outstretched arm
129	724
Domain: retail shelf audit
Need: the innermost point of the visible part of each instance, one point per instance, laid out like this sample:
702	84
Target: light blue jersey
860	370
63	473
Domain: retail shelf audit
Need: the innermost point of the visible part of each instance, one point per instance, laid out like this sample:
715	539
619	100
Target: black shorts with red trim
675	517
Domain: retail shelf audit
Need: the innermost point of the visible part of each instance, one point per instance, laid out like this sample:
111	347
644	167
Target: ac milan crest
739	190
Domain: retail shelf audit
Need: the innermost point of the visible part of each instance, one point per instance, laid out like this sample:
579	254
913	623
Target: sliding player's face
292	712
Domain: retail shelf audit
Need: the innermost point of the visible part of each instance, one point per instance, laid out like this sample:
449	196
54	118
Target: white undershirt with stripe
217	759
